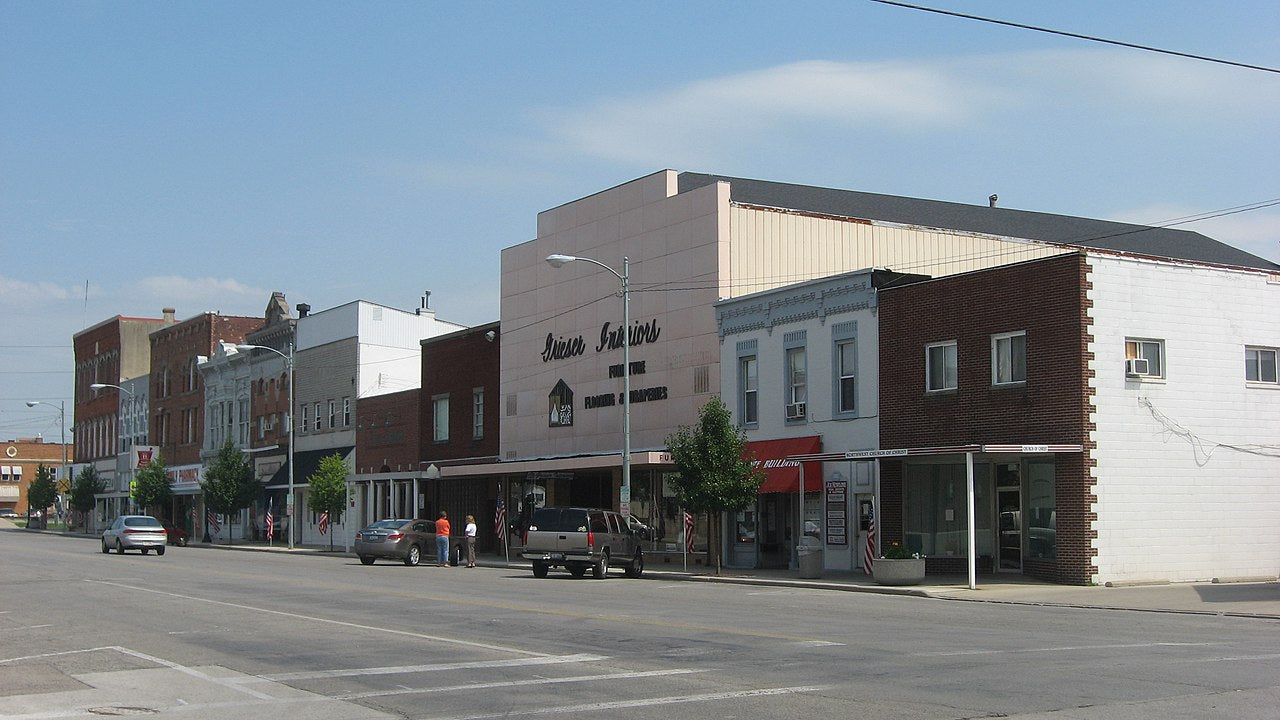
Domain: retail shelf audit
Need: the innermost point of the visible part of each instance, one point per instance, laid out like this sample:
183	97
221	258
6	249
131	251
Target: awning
783	475
305	464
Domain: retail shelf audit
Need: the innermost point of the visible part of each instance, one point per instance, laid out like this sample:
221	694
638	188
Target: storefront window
935	521
1042	523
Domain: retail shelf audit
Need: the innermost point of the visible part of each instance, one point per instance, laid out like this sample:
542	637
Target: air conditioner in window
795	411
1136	367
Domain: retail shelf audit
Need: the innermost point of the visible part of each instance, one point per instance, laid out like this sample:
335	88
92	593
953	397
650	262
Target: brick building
177	392
19	460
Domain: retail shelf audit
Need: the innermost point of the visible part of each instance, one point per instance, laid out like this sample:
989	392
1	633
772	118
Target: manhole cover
120	711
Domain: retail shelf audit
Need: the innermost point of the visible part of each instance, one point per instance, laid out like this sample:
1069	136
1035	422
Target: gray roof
1003	222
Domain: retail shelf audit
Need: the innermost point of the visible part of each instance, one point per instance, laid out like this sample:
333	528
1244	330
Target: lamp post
289	360
62	423
557	261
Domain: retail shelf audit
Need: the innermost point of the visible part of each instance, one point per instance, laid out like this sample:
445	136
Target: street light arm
557	261
100	386
246	346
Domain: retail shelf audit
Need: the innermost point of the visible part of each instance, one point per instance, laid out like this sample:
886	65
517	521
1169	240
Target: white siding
1173	501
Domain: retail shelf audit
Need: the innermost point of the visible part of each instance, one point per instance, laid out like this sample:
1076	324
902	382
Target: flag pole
685	526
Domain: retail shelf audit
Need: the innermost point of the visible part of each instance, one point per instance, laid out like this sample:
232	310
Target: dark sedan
396	539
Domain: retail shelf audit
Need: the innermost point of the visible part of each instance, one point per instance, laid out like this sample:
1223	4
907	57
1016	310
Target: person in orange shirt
442	539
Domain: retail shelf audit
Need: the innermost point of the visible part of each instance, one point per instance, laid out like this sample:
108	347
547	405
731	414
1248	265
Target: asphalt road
204	633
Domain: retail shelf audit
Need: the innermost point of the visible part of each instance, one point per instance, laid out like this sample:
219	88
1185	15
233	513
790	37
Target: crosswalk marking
404	669
517	683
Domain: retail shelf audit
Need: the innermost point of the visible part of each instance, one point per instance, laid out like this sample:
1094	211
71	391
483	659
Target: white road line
517	683
403	669
225	682
649	702
1068	648
817	643
28	627
357	626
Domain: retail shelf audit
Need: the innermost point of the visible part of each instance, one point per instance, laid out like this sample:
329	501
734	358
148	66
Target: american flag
324	522
500	519
271	522
688	531
211	519
870	552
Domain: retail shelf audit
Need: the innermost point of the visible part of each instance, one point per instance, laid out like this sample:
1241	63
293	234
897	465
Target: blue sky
201	155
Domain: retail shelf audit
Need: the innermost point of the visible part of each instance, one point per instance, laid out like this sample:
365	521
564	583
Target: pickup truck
580	538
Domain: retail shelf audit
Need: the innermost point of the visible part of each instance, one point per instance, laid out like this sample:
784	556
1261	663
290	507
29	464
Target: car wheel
540	569
636	567
577	570
119	548
105	549
601	568
414	556
160	550
366	559
182	542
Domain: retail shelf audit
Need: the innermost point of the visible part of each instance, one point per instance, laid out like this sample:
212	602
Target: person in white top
471	541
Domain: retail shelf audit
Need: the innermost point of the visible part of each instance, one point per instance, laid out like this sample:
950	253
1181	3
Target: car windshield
559	520
385	525
142	522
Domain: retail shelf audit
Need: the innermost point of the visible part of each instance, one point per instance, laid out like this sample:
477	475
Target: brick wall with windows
177	395
457	365
1046	300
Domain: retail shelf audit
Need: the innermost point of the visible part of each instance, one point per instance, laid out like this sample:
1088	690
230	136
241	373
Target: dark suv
580	538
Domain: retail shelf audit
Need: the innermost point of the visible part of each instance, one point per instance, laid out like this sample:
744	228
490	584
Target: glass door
1009	518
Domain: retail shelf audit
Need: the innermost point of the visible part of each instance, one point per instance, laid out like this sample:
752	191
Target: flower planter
887	571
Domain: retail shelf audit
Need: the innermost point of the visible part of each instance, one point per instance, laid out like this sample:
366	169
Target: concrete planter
887	571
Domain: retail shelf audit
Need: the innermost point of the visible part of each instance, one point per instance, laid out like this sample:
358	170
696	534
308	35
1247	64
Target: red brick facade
1044	298
387	432
456	365
177	390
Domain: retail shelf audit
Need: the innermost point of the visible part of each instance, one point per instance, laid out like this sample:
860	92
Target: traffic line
517	683
224	682
340	623
404	669
1066	648
649	702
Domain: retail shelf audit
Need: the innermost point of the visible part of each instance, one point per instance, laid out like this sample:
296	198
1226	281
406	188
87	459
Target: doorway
1009	517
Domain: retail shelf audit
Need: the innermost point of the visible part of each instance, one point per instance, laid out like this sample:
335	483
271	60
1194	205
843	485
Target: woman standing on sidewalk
470	532
442	539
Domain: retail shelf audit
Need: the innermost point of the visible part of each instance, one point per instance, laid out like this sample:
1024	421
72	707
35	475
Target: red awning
782	475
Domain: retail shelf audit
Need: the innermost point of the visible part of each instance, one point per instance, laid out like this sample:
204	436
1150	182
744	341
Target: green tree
151	488
714	476
328	489
41	493
87	483
229	485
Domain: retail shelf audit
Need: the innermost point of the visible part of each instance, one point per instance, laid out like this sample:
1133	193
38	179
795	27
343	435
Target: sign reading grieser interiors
563	348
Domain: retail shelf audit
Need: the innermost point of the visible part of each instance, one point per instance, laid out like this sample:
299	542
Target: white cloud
704	121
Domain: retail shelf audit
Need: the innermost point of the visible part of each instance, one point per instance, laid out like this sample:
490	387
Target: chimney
169	315
426	304
303	310
991	201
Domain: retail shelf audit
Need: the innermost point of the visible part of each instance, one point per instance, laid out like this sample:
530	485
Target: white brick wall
1173	502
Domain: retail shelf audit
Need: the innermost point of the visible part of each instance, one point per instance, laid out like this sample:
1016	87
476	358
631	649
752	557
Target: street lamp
556	261
288	359
62	423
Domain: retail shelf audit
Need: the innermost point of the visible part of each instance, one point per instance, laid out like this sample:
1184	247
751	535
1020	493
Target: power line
1090	38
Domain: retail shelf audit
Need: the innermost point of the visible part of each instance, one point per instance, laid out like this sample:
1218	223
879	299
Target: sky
201	155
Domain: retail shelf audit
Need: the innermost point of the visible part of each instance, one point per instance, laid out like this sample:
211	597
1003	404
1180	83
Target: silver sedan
396	539
134	532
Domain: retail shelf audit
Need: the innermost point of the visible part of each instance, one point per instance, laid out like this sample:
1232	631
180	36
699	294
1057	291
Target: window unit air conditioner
795	411
1136	367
